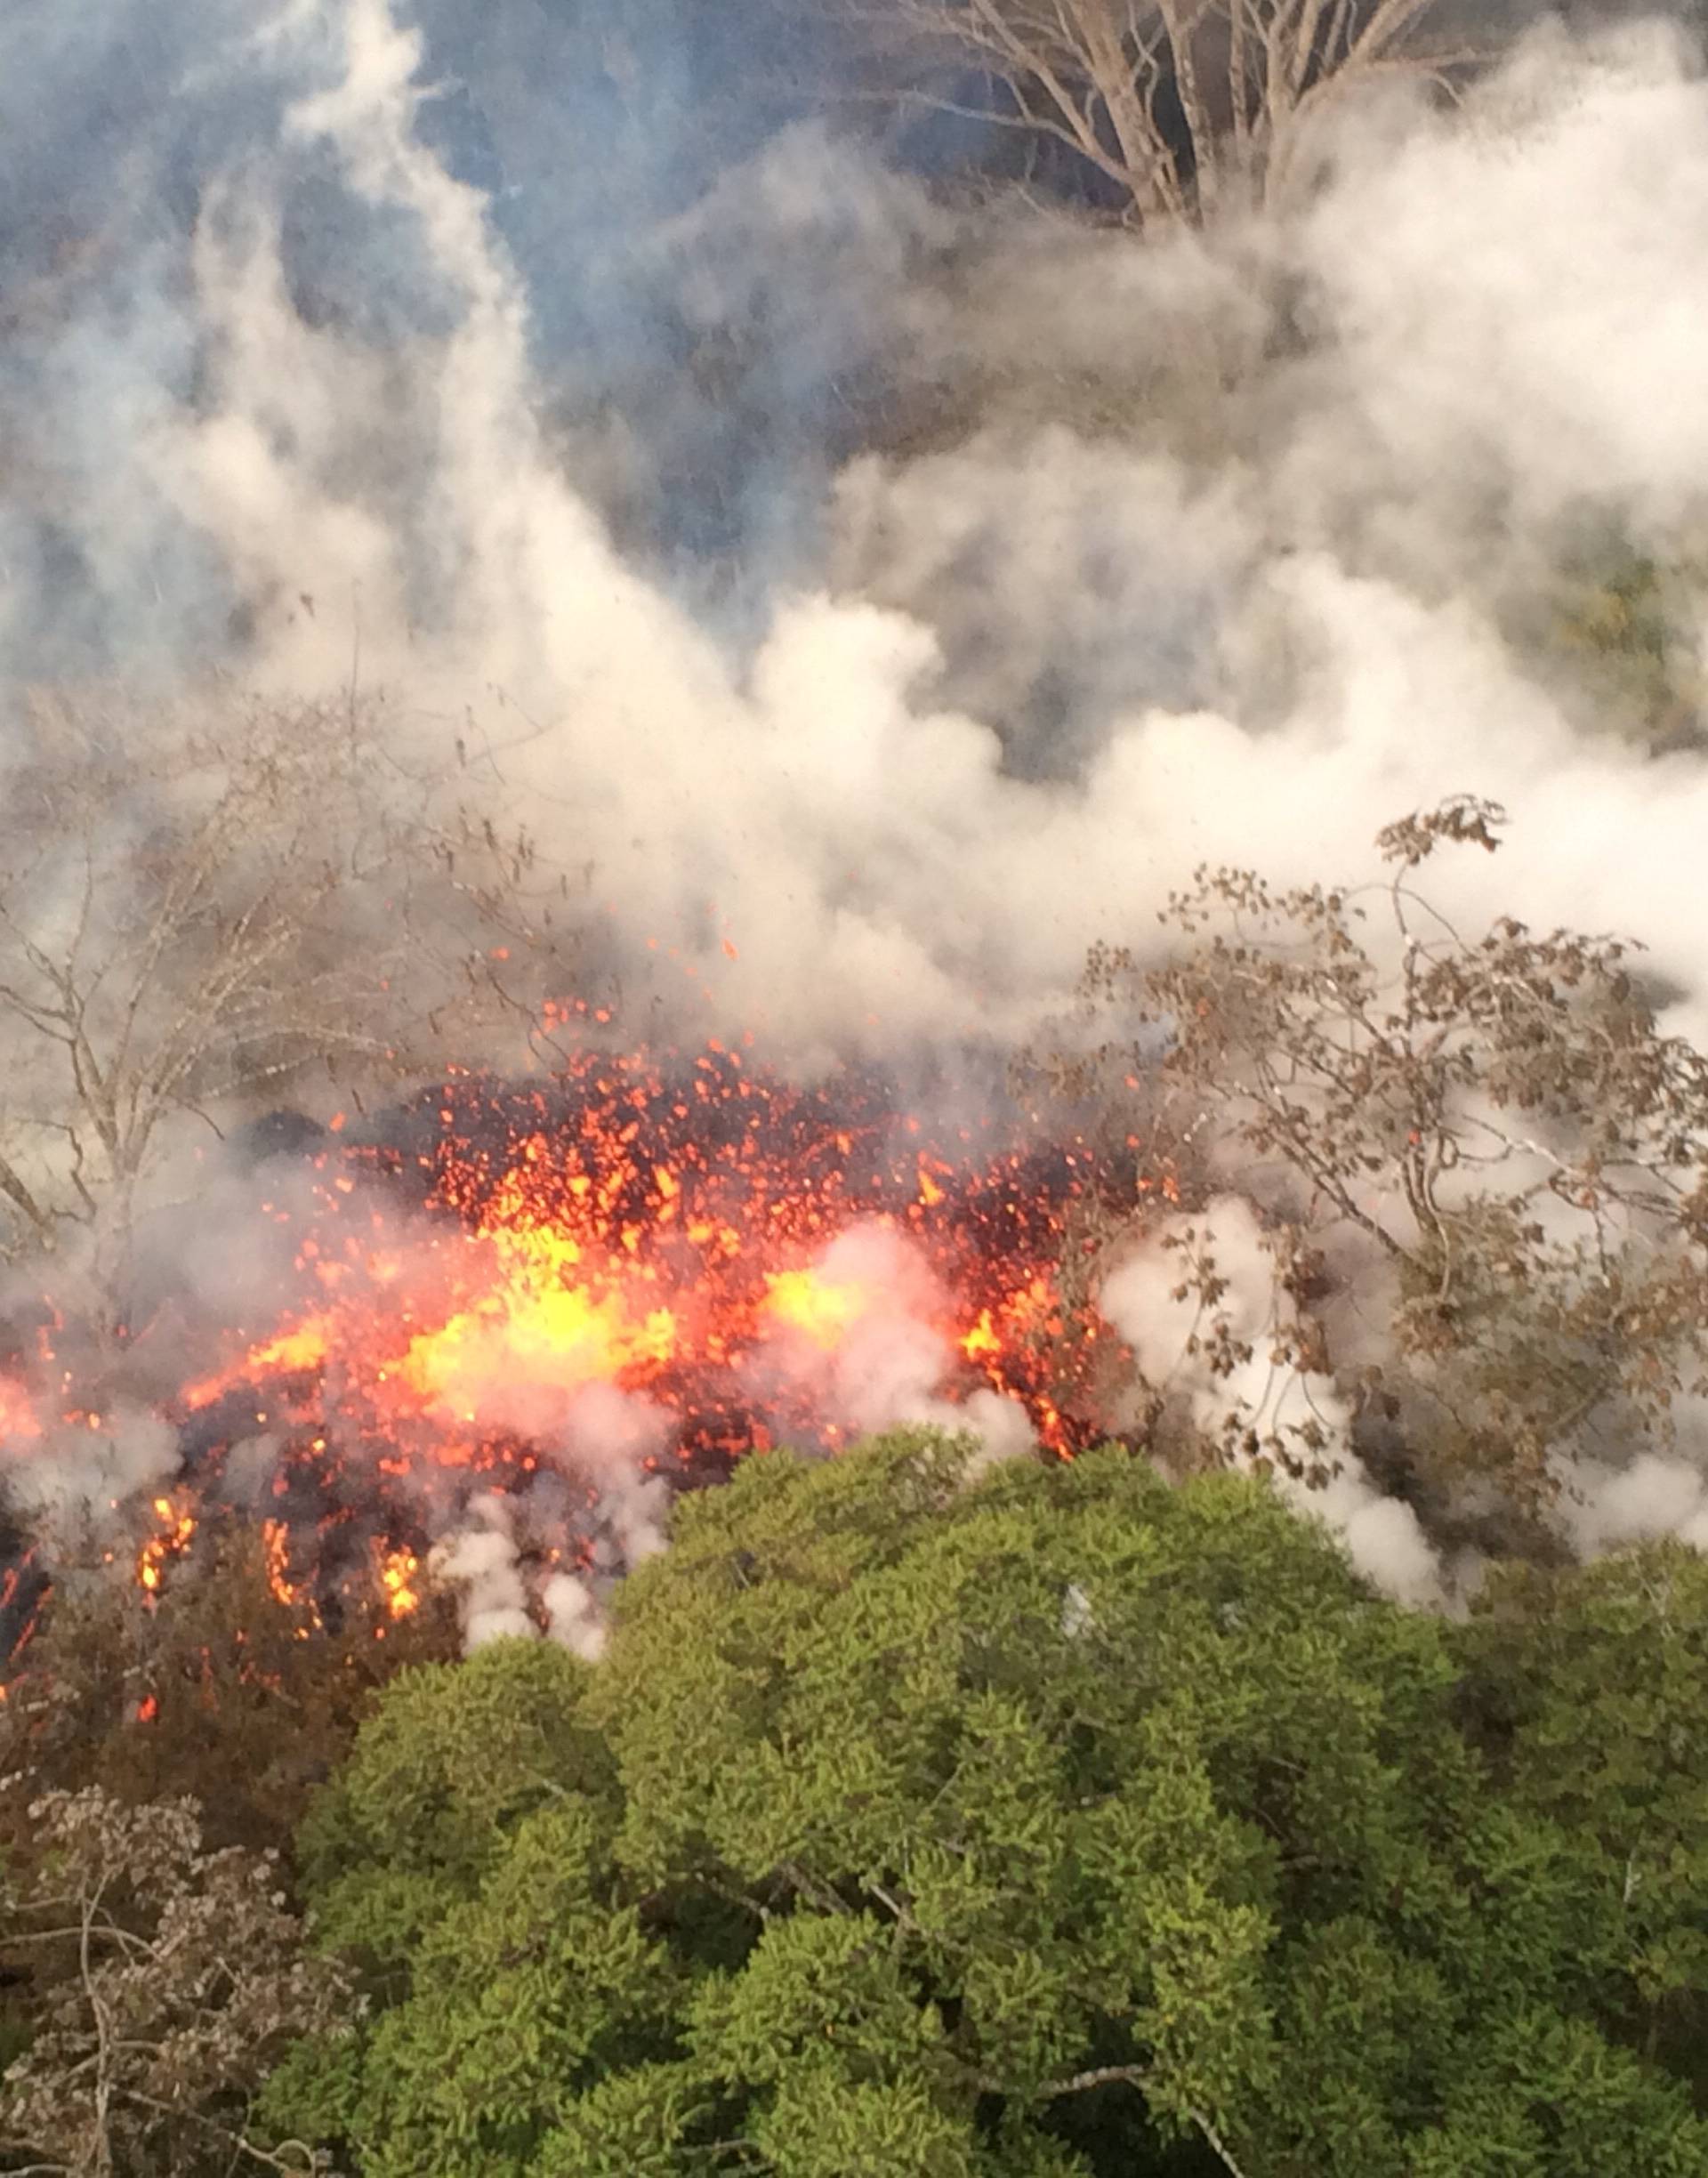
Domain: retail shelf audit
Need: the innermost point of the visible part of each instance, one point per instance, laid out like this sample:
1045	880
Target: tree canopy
1042	1821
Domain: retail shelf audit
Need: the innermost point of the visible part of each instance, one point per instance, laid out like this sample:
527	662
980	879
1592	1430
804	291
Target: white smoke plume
82	1473
615	1440
881	861
1655	1496
868	1347
479	1561
492	1559
1149	1300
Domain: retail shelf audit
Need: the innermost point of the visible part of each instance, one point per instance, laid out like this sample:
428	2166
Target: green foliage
1048	1823
1590	1687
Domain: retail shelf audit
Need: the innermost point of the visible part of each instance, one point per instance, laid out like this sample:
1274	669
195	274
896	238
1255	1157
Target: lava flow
629	1276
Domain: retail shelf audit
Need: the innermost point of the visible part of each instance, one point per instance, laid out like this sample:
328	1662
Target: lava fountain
544	1307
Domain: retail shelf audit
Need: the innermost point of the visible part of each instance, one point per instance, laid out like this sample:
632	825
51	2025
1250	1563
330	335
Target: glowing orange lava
177	1528
19	1422
806	1300
398	1570
475	1274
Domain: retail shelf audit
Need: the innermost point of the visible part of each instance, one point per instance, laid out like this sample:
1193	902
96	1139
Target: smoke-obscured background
906	587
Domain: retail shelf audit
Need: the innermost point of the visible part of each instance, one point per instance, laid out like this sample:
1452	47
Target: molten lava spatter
658	1234
639	1268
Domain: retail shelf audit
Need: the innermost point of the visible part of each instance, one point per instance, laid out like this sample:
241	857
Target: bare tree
1183	106
176	904
198	906
171	1979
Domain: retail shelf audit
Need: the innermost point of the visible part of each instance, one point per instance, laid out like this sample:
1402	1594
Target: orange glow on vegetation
177	1529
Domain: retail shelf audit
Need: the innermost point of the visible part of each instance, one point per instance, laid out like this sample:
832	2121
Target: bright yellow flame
398	1569
178	1529
821	1308
981	1339
305	1348
530	1253
535	1328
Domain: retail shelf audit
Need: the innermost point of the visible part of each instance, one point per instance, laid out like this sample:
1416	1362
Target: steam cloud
1144	1300
320	408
